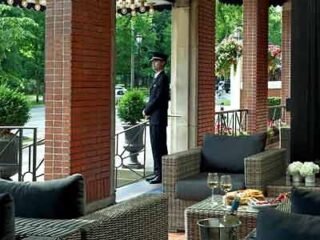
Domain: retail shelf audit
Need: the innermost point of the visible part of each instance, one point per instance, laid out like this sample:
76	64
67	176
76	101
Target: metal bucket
214	229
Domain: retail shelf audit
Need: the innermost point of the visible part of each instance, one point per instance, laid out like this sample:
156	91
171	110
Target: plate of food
244	195
255	203
262	204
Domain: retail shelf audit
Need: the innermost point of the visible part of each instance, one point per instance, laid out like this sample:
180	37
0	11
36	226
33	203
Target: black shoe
156	180
150	177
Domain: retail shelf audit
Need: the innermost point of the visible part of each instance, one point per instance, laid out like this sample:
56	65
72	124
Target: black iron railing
233	122
33	167
18	155
130	155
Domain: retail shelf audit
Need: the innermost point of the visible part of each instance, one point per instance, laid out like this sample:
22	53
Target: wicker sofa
259	170
144	217
55	209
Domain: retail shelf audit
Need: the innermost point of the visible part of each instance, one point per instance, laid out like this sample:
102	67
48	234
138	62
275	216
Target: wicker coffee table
281	185
204	209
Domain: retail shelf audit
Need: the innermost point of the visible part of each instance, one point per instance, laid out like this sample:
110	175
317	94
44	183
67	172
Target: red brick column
79	125
206	62
255	72
286	55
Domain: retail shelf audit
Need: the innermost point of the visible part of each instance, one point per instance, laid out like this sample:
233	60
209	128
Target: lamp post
138	41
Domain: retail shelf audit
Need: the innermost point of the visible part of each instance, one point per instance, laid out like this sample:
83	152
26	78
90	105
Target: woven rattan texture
264	167
204	209
260	169
144	217
176	167
280	186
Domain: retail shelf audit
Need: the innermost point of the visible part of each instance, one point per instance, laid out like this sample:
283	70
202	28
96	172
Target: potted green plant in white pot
14	111
130	109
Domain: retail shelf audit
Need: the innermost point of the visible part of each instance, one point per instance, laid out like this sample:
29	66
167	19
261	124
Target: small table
281	185
204	209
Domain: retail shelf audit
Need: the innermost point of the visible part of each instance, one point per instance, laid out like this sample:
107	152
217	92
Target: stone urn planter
130	109
9	148
134	144
14	111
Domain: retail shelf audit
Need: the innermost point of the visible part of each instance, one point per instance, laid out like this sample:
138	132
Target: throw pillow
6	217
276	225
305	202
55	199
226	154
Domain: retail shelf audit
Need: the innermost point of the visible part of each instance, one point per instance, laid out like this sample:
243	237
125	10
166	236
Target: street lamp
139	38
138	41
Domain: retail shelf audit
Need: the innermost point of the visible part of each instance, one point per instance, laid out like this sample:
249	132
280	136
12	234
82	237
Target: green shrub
274	113
274	101
14	108
130	106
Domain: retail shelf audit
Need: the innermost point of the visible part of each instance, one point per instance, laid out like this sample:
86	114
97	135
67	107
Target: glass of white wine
225	185
213	182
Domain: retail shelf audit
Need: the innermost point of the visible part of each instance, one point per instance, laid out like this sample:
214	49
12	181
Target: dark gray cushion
305	202
6	217
226	153
275	225
195	188
55	199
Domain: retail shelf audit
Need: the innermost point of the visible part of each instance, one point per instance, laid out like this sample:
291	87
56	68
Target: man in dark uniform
157	112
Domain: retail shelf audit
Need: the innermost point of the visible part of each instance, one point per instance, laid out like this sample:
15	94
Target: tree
21	49
230	17
275	30
156	33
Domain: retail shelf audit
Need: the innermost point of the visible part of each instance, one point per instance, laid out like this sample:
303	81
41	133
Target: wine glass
226	186
226	183
213	182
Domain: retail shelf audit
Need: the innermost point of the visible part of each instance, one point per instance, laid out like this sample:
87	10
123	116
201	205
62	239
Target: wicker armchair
144	217
260	169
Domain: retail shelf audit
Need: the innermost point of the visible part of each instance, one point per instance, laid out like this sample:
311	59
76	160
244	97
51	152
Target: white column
235	84
183	80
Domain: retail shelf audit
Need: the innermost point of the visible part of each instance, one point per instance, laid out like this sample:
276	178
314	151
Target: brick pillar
206	62
286	55
79	96
255	62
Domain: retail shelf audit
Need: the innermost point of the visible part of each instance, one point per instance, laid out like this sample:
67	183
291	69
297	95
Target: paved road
37	120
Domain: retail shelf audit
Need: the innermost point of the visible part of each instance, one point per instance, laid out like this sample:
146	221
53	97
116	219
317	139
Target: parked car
119	92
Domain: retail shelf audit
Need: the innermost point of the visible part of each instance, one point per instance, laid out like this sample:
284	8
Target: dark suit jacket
157	107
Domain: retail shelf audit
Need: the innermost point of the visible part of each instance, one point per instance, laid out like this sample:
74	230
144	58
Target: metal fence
130	155
18	153
233	122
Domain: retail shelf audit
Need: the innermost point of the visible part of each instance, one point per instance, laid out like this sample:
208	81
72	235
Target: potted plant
14	111
309	170
130	109
294	171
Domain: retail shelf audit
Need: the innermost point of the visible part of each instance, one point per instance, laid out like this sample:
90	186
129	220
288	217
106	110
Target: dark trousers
158	138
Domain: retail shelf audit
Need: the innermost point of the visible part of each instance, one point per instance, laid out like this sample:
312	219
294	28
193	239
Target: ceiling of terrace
240	2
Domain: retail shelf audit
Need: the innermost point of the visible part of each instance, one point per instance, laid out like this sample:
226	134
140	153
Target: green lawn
32	99
226	102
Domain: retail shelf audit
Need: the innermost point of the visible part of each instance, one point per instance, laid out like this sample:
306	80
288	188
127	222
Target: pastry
244	195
